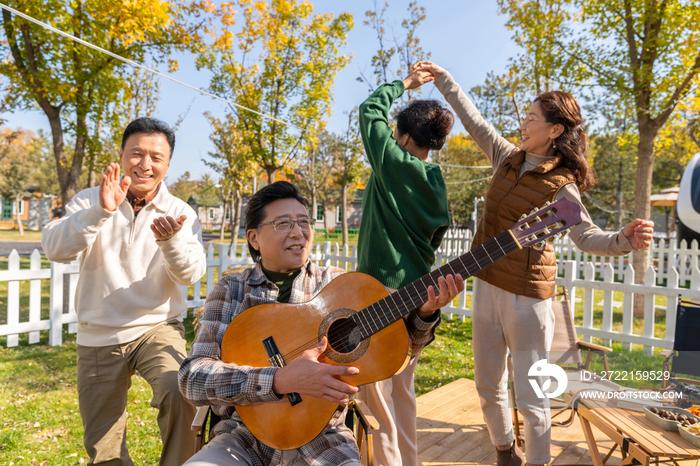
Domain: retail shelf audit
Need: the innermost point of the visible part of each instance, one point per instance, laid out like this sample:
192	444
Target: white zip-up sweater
128	281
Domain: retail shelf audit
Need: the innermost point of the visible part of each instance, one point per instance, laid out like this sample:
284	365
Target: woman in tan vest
512	297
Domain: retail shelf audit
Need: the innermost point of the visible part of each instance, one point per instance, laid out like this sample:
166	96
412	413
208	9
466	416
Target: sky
467	37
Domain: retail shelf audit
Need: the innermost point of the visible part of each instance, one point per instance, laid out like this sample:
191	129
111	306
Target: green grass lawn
39	402
39	419
13	235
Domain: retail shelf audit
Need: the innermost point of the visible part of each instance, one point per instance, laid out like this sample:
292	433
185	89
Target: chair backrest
687	339
564	348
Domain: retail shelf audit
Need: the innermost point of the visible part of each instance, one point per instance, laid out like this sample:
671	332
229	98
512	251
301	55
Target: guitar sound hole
344	335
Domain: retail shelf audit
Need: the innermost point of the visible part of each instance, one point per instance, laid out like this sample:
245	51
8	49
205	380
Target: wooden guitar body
298	327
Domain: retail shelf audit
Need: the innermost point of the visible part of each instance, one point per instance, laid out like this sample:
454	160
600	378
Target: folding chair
363	426
684	358
566	350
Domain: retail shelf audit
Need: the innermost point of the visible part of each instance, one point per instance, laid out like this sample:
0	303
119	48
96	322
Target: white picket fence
64	280
572	274
664	256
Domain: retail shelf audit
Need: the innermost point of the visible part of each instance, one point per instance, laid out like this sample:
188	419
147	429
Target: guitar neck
397	305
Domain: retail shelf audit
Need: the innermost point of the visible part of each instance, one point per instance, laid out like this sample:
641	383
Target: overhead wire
470	181
176	81
464	166
145	68
600	207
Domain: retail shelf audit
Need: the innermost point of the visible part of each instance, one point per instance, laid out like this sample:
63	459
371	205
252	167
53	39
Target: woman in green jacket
404	217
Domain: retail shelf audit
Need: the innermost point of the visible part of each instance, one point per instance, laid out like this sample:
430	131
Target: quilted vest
528	271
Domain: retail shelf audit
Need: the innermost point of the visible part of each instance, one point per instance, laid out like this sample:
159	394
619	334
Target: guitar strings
295	352
423	295
510	246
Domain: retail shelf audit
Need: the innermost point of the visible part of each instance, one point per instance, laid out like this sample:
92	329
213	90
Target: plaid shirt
139	203
206	380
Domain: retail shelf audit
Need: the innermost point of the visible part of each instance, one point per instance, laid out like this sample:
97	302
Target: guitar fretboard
397	305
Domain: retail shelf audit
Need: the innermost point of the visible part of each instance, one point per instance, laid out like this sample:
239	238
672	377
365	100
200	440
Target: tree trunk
314	204
18	201
92	176
642	206
91	173
271	174
345	215
67	177
76	166
60	157
618	203
236	218
223	220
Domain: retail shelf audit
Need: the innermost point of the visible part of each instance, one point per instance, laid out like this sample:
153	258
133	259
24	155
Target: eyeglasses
305	224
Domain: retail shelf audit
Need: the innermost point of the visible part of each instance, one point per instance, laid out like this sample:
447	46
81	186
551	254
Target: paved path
22	247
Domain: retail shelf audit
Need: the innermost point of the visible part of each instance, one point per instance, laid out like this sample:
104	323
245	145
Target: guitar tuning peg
523	216
538	219
540	244
535	209
547	203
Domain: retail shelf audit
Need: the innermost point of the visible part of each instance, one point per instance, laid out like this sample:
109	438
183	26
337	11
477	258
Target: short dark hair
150	126
255	210
427	122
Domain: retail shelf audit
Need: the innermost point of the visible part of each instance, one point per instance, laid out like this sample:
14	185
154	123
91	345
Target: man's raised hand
112	192
307	376
165	228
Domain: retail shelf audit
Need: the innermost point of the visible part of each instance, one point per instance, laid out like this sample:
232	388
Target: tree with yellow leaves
637	54
67	81
282	64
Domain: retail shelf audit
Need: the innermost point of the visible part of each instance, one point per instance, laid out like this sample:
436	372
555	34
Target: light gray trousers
505	321
392	402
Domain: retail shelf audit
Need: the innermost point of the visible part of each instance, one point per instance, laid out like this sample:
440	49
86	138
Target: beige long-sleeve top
586	235
128	282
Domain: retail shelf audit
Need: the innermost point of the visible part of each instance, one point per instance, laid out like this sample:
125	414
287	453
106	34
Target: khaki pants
104	378
505	321
227	450
393	403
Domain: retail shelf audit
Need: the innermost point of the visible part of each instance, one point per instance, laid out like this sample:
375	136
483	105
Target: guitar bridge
277	360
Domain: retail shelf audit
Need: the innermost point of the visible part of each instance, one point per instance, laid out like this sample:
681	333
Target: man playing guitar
280	237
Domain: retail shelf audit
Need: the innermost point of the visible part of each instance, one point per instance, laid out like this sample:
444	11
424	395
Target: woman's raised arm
495	146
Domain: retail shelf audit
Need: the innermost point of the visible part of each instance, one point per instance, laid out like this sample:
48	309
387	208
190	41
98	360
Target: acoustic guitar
364	325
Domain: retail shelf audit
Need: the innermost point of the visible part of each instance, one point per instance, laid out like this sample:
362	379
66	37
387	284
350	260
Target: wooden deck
451	431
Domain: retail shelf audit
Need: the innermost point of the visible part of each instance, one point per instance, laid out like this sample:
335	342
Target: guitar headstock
552	219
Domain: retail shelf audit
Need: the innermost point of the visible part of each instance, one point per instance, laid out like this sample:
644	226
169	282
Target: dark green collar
284	282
